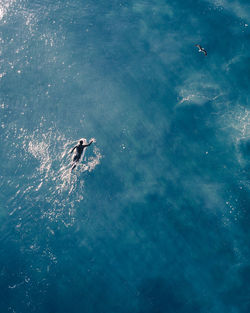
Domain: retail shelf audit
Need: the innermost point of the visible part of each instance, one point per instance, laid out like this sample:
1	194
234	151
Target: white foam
52	178
4	6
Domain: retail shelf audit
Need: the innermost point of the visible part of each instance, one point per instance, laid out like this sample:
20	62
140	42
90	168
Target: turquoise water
156	217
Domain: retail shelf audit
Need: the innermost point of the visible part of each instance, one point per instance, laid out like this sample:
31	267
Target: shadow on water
158	295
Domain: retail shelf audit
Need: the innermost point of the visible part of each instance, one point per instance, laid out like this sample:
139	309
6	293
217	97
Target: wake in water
52	179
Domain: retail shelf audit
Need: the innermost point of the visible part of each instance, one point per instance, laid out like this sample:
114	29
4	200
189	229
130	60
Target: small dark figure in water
79	150
201	49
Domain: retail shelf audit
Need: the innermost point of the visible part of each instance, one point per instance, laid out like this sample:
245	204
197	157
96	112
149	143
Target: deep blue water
156	217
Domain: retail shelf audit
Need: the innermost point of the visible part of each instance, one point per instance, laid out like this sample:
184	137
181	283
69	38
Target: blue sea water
156	217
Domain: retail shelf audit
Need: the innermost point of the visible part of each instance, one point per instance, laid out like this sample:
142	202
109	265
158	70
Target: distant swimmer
79	150
201	49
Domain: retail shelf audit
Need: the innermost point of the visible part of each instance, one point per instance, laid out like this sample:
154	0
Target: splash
4	6
238	122
237	125
52	180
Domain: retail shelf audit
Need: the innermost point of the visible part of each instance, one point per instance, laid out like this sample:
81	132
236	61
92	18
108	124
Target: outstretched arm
88	143
73	149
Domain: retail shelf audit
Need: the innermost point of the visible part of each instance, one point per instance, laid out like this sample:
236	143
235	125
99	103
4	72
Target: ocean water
155	219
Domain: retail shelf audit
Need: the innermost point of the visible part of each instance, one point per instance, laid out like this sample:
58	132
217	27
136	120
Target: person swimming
79	150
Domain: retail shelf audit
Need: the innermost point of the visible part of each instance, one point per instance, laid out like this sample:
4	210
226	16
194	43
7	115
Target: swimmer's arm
73	149
88	144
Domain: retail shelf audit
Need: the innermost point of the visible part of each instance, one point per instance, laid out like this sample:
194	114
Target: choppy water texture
156	217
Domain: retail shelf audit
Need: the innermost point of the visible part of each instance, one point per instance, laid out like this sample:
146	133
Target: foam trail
52	178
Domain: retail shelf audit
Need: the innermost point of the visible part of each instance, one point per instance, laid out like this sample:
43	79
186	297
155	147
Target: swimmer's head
81	142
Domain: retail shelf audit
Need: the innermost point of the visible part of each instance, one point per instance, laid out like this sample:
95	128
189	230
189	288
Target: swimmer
79	150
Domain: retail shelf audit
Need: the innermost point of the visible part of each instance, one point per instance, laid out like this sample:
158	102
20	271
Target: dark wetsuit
79	150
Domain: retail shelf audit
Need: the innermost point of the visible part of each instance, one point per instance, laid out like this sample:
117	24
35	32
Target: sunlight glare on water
155	216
